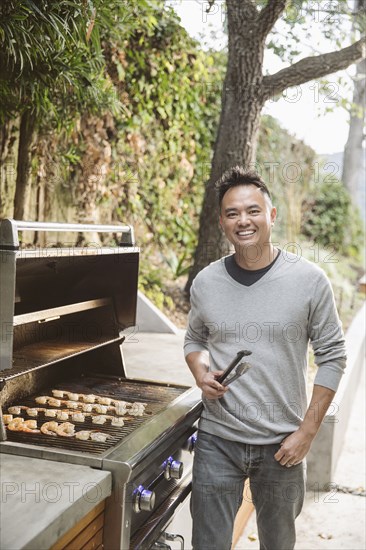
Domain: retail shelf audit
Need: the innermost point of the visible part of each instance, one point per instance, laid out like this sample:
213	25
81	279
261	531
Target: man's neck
252	258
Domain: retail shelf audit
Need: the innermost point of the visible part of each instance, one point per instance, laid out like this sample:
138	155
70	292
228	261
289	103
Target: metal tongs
241	369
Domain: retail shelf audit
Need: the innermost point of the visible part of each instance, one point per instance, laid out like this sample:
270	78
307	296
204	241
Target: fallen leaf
325	536
253	536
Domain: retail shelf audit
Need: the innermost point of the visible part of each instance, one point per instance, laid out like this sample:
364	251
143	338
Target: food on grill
32	411
78	417
51	413
54	402
100	419
14	410
104	400
101	409
118	422
18	420
137	409
89	403
15	421
83	435
89	398
121	407
72	396
49	428
72	404
21	425
7	418
42	400
32	424
66	429
57	393
99	436
14	427
62	415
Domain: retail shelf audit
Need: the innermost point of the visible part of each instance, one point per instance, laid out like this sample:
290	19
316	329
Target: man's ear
273	214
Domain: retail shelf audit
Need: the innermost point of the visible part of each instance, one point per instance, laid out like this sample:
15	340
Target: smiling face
247	216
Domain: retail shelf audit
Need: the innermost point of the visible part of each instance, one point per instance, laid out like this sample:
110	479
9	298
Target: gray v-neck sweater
275	318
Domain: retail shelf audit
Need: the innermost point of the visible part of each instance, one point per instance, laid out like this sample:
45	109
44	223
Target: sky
302	110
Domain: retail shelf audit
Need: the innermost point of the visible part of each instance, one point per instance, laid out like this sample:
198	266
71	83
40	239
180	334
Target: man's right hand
198	362
211	388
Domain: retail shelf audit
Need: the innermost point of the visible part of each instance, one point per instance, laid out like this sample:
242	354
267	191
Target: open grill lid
38	285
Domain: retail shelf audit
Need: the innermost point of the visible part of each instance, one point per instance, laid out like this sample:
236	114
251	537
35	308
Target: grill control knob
173	469
191	443
176	469
143	499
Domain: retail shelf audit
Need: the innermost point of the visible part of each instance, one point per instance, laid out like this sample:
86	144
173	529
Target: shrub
329	220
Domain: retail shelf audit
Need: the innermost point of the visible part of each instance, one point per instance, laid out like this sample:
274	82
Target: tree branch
313	67
210	4
269	15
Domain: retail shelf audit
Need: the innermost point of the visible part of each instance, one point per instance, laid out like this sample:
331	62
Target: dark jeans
219	472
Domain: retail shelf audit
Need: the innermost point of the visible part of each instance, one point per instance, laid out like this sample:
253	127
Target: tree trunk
353	161
353	153
8	138
26	132
242	103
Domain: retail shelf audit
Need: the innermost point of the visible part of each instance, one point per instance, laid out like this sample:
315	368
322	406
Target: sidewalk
334	520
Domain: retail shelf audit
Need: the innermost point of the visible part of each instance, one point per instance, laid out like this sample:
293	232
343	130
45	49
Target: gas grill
64	312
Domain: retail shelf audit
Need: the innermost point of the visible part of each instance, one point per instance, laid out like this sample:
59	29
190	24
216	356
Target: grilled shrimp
49	428
137	409
83	435
58	393
100	419
101	409
89	398
52	413
14	425
42	399
32	424
121	407
118	422
78	417
66	429
54	402
14	410
73	396
18	420
19	425
32	411
99	436
62	415
104	400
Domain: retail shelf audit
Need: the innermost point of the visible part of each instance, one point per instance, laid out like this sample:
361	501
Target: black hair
237	175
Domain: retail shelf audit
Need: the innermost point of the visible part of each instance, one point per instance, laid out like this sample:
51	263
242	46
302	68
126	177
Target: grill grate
156	396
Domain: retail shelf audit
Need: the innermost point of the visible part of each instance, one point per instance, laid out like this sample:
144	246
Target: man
272	304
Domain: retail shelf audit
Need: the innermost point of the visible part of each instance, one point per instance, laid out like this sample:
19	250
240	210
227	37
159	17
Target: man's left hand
294	448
